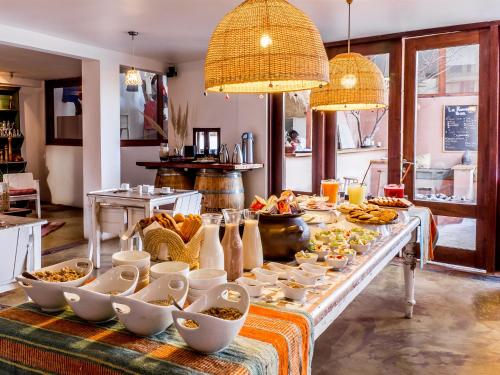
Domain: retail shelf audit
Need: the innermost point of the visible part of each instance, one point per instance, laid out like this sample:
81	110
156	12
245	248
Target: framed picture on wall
63	111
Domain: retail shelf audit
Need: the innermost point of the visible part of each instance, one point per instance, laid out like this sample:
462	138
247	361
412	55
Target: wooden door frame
483	211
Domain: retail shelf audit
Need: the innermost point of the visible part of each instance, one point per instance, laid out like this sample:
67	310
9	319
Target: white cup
125	186
166	190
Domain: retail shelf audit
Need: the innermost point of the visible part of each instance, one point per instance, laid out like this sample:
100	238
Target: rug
51	226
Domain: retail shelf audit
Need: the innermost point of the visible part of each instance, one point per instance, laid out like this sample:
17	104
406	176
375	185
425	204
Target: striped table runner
272	341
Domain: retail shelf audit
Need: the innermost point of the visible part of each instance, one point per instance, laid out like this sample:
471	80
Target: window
141	107
63	107
448	71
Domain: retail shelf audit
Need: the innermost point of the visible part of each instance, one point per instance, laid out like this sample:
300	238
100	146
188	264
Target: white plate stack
202	280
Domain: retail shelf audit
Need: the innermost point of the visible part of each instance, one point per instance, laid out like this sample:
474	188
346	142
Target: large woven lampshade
265	46
356	83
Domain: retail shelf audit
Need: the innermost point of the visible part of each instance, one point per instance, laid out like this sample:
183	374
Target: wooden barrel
173	178
220	190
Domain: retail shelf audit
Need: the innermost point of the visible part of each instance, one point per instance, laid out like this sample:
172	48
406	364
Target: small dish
282	269
293	290
213	334
143	318
350	254
140	259
266	276
92	302
360	249
166	268
322	251
304	277
314	268
206	278
255	288
49	295
337	262
303	257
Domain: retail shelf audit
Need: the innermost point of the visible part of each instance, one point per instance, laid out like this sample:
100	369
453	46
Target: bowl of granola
212	322
149	311
47	291
92	301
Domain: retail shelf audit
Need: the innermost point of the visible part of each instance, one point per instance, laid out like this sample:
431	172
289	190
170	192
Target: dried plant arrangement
179	120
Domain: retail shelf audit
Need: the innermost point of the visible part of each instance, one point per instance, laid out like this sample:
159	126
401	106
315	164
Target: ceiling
37	65
178	30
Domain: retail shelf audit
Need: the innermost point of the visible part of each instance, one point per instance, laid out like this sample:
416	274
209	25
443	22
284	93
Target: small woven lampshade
133	78
356	83
265	46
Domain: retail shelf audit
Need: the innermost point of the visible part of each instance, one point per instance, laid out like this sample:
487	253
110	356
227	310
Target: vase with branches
179	119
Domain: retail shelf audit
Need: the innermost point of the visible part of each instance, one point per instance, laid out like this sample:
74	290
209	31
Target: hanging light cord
349	2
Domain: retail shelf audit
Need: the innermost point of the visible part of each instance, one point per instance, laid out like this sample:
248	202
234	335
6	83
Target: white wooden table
128	200
21	248
338	290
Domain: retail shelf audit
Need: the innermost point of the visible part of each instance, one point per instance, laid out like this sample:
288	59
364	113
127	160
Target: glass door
445	112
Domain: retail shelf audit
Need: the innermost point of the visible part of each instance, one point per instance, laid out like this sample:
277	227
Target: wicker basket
179	251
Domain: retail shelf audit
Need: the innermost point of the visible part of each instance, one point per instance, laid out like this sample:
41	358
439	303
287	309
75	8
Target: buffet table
21	247
277	337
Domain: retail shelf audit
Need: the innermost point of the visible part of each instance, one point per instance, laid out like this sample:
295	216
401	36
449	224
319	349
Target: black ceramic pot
283	235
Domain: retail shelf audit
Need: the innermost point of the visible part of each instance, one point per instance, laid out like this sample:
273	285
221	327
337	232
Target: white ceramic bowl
282	269
350	254
296	294
206	278
49	295
147	319
212	334
255	288
322	254
165	268
304	277
361	249
312	258
91	302
337	262
314	268
140	259
265	276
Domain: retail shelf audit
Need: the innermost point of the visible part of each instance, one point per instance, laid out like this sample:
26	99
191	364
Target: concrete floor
455	329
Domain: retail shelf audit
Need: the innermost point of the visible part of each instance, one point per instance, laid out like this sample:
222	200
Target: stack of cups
140	259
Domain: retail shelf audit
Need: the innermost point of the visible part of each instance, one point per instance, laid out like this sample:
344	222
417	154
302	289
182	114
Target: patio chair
22	187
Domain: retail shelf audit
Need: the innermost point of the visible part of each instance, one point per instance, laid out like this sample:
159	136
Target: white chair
22	187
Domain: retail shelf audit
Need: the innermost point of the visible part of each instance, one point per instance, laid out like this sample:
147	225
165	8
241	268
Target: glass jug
232	244
211	251
252	243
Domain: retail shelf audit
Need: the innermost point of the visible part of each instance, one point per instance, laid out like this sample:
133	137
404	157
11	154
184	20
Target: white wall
65	175
133	174
239	113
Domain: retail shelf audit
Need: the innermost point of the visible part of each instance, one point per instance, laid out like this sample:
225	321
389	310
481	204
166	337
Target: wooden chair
22	187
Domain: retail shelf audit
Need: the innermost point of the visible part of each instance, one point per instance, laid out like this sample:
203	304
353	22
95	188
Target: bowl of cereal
92	301
212	322
47	291
149	311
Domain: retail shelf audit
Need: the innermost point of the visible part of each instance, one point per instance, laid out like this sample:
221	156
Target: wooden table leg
410	262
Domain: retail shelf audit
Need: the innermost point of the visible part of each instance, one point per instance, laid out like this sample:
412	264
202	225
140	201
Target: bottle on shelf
11	102
232	244
211	252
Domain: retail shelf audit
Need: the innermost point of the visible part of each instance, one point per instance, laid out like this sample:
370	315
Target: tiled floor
455	329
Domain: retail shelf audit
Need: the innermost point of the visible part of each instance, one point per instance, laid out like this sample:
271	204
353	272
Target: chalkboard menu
460	127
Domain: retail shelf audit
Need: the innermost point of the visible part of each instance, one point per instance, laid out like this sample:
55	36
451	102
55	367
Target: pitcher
252	244
211	252
232	244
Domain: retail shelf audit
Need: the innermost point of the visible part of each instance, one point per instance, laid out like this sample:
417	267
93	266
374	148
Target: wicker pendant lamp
265	46
356	83
133	77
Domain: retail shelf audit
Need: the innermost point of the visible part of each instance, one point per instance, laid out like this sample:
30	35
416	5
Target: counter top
191	165
9	221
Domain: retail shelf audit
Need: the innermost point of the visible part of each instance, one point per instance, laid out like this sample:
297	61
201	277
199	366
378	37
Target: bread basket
178	250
